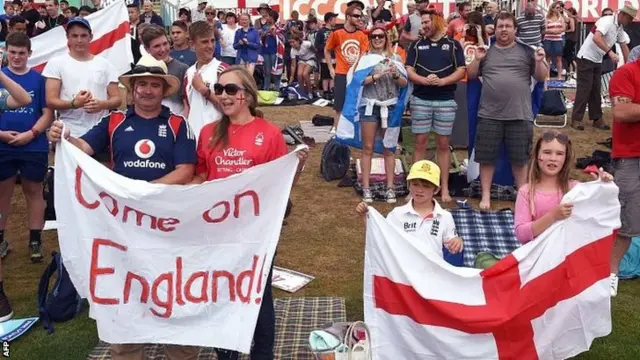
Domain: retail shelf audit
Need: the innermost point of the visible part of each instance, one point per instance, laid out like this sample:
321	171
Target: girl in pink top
538	205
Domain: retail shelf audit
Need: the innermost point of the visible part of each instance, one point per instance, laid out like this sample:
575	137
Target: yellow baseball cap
425	170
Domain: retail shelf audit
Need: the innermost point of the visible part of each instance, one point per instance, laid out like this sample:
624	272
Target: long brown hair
221	132
535	174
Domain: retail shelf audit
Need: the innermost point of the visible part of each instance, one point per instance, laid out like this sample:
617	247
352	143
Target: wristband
35	132
73	106
207	94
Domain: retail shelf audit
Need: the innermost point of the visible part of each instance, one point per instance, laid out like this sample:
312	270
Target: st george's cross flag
348	129
111	39
547	300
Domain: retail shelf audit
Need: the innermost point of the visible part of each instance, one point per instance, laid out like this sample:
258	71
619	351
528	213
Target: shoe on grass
613	278
367	196
35	251
5	308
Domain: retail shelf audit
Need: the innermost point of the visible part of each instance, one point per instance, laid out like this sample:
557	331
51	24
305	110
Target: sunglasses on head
377	36
141	69
550	136
230	89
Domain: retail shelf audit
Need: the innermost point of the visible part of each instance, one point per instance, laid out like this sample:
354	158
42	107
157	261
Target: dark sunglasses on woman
230	89
377	36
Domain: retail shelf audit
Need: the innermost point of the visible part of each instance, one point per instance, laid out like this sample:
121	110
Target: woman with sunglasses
380	92
240	140
538	205
184	15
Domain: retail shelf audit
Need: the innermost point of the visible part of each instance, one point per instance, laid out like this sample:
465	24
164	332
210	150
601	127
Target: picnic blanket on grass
295	319
485	231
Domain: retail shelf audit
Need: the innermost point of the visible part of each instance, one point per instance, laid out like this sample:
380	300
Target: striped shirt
554	26
530	29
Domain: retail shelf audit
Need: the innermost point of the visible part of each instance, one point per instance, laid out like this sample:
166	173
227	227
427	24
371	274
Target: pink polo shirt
543	203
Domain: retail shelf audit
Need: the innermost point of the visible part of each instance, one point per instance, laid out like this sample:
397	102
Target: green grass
323	238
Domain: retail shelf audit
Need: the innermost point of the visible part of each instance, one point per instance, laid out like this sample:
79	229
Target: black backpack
63	302
335	160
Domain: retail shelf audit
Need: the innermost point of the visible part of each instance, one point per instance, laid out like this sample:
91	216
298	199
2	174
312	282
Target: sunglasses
357	16
377	36
141	69
209	13
550	136
230	89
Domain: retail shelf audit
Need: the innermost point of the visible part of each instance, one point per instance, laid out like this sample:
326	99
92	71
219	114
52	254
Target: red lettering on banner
167	289
510	307
204	297
214	217
96	271
113	208
78	189
144	295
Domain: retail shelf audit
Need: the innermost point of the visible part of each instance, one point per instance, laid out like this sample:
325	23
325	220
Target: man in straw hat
606	32
148	143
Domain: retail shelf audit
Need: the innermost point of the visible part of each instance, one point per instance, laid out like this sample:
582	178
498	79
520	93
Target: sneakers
613	278
4	248
5	308
391	196
35	251
367	196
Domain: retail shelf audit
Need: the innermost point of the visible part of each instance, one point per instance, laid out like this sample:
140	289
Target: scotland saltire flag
348	131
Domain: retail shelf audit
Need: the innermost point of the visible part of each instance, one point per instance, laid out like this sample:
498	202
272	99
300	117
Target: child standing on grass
422	215
539	202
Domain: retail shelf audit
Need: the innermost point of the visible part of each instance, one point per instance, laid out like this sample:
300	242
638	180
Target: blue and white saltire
348	130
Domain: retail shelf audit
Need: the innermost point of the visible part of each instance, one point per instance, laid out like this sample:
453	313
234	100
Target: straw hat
148	66
630	10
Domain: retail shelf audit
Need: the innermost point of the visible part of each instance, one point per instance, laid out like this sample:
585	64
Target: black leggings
569	54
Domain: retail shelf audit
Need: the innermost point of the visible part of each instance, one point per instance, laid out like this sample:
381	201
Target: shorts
627	177
375	114
553	47
32	166
324	72
310	62
433	115
339	92
515	134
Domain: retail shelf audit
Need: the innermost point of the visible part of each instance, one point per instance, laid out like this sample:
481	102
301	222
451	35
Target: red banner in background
589	10
322	7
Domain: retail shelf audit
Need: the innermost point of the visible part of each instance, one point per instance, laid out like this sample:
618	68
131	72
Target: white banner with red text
167	263
110	39
547	300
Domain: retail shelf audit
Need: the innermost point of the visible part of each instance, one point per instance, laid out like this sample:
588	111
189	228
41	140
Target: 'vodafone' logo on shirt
145	149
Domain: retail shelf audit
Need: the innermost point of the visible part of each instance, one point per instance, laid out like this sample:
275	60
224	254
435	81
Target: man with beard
505	114
348	44
434	64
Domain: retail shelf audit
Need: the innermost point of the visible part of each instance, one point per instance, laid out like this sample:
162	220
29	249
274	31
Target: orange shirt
402	53
348	47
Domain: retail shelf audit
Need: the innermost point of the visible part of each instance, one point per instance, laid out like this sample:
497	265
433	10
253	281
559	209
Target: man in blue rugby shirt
23	146
148	143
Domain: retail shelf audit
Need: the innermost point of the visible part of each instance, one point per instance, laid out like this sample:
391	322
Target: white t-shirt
305	53
435	230
611	31
94	76
228	35
202	111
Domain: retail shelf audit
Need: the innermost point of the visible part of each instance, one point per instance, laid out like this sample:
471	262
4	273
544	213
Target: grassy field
323	238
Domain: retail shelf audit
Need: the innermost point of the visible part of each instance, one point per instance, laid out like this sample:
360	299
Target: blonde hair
221	132
387	50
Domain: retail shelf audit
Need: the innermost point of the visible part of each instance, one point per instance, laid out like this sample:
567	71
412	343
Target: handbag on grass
342	341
